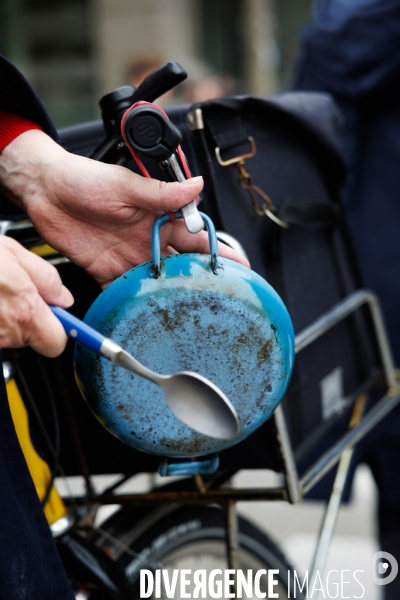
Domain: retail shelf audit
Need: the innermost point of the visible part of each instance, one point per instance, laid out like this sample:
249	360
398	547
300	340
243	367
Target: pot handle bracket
156	240
199	467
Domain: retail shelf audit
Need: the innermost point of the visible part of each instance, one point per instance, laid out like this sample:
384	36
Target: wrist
21	163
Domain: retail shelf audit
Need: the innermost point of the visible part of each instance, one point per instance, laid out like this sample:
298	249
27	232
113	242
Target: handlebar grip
159	82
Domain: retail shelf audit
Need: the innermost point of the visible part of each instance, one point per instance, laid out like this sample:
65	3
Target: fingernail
67	298
192	181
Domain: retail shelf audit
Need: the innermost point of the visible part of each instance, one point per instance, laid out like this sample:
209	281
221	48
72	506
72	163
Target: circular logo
146	131
384	571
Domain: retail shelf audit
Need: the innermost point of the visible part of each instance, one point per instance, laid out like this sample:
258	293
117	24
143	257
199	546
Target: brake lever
159	82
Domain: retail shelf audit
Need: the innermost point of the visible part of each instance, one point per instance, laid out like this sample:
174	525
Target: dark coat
352	50
30	568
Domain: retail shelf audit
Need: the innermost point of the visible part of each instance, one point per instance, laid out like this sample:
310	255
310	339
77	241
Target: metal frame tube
232	538
348	440
344	309
330	517
184	497
291	474
335	498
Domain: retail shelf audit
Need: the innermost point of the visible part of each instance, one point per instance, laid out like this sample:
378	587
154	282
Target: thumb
155	195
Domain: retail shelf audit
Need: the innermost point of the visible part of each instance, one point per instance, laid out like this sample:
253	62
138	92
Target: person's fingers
177	236
29	283
171	250
45	277
25	318
46	334
227	252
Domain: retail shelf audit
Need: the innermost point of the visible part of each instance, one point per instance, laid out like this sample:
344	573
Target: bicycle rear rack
295	486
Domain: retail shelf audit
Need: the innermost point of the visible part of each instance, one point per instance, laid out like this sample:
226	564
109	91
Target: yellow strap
43	250
38	468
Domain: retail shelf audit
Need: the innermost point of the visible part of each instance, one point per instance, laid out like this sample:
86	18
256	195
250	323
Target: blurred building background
74	51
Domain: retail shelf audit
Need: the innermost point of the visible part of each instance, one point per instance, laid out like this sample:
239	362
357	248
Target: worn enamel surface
230	327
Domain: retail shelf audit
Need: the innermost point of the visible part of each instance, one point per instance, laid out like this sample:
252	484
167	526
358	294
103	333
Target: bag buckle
236	159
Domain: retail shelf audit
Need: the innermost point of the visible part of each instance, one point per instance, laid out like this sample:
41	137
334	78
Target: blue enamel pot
187	312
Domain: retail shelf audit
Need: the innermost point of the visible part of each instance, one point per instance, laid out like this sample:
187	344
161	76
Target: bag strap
211	199
318	215
224	122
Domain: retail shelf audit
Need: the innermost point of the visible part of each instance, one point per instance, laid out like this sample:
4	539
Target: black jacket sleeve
18	97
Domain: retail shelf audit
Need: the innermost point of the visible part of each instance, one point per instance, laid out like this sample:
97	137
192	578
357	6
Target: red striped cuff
11	126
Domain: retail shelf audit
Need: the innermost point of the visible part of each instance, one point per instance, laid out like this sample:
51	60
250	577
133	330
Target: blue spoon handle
78	330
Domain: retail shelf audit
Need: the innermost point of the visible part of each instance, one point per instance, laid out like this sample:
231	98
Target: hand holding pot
98	215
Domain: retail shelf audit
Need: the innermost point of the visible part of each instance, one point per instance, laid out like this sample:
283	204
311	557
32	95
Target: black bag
299	165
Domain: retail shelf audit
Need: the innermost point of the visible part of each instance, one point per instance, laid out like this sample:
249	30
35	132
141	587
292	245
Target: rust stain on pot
265	351
166	321
193	445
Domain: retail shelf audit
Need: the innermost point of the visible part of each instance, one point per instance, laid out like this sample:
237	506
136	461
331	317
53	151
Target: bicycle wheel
187	538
